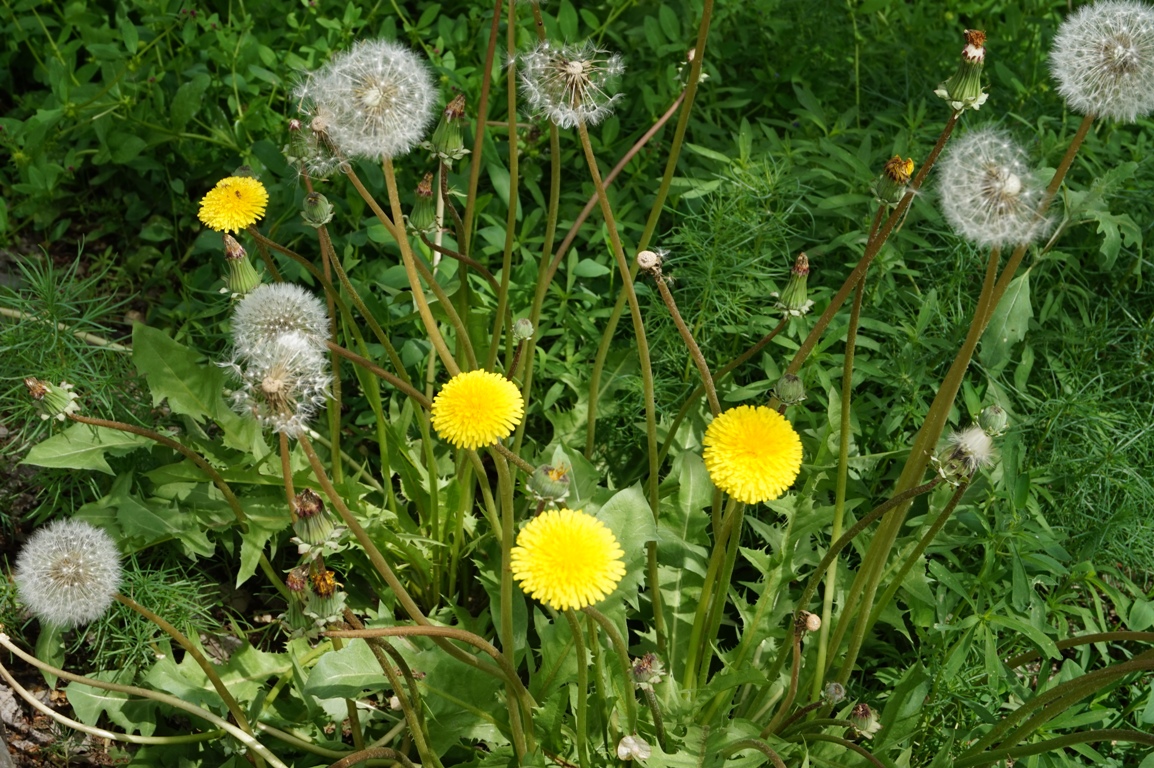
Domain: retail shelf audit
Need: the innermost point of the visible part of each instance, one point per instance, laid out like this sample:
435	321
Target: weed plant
582	493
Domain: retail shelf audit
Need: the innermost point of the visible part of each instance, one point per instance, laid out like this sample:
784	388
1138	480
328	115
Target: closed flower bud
794	301
522	330
865	722
54	401
633	748
964	89
313	525
317	211
423	217
807	622
994	420
447	144
890	187
834	692
647	671
548	483
649	261
241	277
789	390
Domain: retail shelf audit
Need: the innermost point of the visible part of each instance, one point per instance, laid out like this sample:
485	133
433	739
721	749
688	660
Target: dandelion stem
492	281
582	689
373	753
87	338
508	647
479	133
690	342
184	450
164	698
845	743
622	653
403	386
757	744
204	664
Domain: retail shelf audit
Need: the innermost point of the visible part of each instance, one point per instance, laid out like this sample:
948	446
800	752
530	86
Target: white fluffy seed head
373	101
989	194
972	447
68	572
274	309
570	84
283	383
1103	59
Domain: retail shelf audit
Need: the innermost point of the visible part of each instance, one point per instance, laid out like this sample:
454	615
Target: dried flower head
570	84
283	383
1103	60
964	89
752	453
374	101
567	559
273	309
989	195
55	401
68	573
477	408
233	204
966	451
633	747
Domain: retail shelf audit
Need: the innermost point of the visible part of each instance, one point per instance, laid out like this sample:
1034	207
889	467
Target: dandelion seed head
373	101
570	84
1103	59
283	383
989	194
68	573
273	309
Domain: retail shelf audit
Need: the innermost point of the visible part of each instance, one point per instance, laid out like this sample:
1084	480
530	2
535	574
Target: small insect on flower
570	84
989	195
376	100
274	309
1103	60
68	573
233	204
283	384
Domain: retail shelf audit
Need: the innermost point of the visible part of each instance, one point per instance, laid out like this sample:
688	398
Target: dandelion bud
807	622
447	143
394	703
54	401
793	301
325	603
423	217
633	748
834	692
294	125
1103	60
570	84
272	310
68	573
989	194
864	720
649	261
522	330
317	211
890	187
297	581
789	390
241	277
313	526
964	89
965	453
994	420
550	484
647	671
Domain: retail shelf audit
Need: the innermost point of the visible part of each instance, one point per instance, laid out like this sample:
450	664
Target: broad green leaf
266	517
130	713
174	372
1008	324
350	673
83	447
903	711
50	649
630	518
187	100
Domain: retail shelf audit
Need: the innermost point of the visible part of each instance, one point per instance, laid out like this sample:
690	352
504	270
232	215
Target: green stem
847	744
373	753
582	688
479	133
183	450
622	653
400	384
717	557
164	698
508	643
1072	642
759	745
1070	739
690	342
658	721
719	601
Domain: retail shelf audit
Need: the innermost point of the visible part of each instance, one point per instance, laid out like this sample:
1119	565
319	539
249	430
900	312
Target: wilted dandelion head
570	84
966	451
373	101
1103	59
989	194
283	383
273	309
68	572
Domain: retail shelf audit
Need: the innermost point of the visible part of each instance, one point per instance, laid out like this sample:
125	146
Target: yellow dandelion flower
233	204
567	559
477	408
752	453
